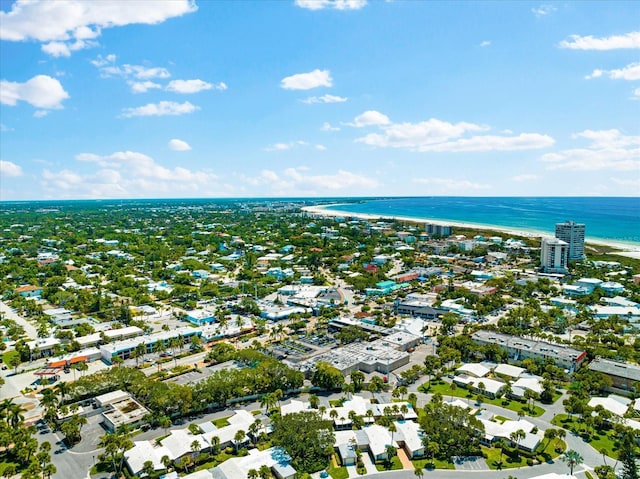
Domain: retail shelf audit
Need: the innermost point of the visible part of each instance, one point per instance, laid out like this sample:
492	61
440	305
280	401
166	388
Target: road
9	313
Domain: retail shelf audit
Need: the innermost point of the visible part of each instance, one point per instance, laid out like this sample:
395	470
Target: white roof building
509	370
410	434
613	403
178	443
379	438
143	451
475	370
532	383
239	467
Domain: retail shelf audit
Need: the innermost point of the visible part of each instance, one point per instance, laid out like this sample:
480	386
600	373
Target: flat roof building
520	348
572	233
554	255
624	375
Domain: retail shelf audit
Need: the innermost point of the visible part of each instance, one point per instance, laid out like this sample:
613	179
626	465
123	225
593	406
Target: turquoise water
605	218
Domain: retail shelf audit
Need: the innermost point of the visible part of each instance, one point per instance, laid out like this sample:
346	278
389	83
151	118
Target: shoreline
629	250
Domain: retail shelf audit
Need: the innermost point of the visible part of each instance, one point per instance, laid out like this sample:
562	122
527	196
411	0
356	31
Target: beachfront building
554	255
438	230
572	233
520	348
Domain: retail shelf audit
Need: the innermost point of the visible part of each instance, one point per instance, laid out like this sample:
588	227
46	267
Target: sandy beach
628	250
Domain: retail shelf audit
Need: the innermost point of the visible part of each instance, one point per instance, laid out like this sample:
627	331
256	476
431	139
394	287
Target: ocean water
610	218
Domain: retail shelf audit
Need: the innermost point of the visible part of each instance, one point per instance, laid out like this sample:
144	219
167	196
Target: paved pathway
9	313
404	460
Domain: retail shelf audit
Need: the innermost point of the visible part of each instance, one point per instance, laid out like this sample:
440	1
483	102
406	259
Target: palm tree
215	444
369	414
392	429
314	401
333	414
238	438
252	474
164	422
166	462
604	453
195	447
62	388
322	410
561	434
573	459
418	472
517	436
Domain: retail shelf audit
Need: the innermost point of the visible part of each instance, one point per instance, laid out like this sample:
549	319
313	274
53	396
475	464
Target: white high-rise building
554	255
572	233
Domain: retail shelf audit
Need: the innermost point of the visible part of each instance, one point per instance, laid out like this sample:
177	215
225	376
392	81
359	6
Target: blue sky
318	98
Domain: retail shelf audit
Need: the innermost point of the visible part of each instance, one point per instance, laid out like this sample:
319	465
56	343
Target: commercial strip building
519	348
124	348
121	410
370	357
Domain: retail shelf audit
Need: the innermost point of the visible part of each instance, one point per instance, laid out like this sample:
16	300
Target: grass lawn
338	472
544	453
426	464
598	439
395	464
6	357
446	391
221	422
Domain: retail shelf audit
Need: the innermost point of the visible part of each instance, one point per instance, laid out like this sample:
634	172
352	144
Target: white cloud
340	180
627	181
179	145
40	113
321	148
188	86
327	127
523	141
324	99
162	108
9	169
485	43
143	86
607	150
635	94
334	4
4	127
127	174
66	26
221	86
525	177
369	118
307	81
41	91
614	42
450	184
630	72
543	10
278	147
442	136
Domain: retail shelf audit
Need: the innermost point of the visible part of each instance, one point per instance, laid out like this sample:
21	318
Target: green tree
573	459
327	376
628	457
306	437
